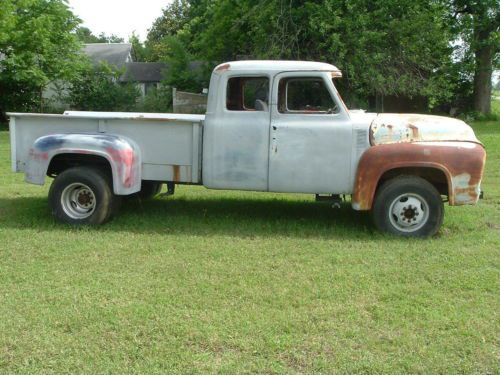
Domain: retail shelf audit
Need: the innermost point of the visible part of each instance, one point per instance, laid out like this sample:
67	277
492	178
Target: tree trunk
482	74
379	103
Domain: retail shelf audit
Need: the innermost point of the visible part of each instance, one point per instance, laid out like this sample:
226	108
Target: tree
382	49
477	24
86	36
180	73
380	46
37	46
139	52
175	16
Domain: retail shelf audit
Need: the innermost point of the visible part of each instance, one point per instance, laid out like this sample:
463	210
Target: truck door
236	139
310	135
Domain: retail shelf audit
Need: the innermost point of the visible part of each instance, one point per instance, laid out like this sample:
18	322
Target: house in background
118	56
145	75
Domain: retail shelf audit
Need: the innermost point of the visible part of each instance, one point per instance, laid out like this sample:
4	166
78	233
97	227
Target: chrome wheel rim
78	201
409	212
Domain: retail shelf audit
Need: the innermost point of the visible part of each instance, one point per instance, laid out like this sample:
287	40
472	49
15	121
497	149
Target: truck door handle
274	128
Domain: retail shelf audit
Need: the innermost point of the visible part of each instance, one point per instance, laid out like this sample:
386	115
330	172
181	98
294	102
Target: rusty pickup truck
277	126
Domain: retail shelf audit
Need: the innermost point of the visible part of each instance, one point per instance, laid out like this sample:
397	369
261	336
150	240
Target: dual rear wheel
84	196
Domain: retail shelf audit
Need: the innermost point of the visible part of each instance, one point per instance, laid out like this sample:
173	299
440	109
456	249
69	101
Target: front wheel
408	206
82	195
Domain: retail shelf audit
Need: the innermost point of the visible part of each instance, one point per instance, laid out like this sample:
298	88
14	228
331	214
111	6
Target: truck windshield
340	92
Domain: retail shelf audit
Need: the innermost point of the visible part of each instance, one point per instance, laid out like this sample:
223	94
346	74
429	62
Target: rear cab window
247	94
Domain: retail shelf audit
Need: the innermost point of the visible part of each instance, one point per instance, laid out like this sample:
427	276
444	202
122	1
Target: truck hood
404	128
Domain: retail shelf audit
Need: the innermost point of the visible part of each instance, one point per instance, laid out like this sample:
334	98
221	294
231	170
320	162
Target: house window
247	94
305	95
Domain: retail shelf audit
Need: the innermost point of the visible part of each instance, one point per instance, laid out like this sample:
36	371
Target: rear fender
123	155
461	162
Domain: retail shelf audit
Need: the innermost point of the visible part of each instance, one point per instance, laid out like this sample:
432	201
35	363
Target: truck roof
275	65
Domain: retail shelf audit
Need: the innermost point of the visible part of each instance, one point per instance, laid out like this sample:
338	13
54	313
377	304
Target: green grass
236	282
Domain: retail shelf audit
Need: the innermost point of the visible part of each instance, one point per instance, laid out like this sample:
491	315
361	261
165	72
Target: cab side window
247	94
305	95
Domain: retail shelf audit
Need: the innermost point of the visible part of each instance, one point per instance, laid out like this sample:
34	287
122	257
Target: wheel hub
78	201
409	212
85	198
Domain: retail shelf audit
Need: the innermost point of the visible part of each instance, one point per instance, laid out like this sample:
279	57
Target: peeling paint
122	154
389	128
464	190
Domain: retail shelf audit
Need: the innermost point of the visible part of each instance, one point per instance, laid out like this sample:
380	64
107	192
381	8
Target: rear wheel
82	195
408	206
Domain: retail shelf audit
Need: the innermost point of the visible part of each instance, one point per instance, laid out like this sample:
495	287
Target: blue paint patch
49	142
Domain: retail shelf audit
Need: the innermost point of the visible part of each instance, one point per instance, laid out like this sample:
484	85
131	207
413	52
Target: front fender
122	153
461	162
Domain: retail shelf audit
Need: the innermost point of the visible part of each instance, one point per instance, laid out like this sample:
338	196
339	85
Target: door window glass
247	94
305	95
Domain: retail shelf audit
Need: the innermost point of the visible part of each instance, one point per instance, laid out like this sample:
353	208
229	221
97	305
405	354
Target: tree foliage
385	47
86	36
37	46
443	50
174	18
97	88
139	52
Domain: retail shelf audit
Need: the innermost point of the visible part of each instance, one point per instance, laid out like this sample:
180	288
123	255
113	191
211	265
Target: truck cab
277	127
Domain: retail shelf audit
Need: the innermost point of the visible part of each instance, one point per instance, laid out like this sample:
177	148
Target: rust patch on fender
461	162
414	131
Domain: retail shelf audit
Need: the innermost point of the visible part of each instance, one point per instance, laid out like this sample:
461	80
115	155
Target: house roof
151	71
116	54
143	72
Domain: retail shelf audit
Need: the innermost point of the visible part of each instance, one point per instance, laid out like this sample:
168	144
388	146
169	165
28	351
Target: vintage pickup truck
277	126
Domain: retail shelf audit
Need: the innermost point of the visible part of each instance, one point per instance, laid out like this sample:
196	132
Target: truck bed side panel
170	147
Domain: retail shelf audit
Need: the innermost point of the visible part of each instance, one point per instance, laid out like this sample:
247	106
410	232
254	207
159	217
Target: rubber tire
393	188
149	190
98	182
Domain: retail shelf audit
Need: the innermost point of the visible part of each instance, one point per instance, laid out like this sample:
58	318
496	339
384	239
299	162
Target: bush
157	100
97	88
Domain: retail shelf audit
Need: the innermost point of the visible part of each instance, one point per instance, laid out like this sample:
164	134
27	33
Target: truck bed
170	144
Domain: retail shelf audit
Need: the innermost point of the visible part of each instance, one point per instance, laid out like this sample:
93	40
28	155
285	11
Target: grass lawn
236	282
